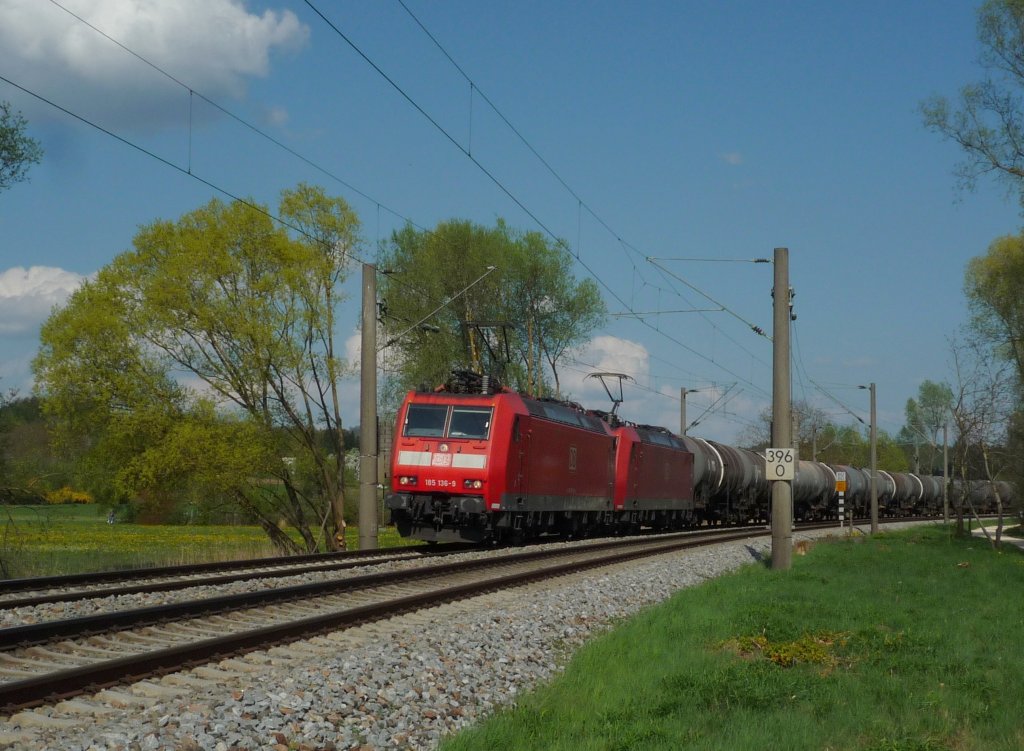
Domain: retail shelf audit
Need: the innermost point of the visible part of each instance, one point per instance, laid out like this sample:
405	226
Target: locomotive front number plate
780	464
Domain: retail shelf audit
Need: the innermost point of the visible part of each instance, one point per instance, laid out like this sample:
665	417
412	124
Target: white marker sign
780	464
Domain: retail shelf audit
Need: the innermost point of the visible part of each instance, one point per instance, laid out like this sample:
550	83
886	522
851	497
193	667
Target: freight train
473	461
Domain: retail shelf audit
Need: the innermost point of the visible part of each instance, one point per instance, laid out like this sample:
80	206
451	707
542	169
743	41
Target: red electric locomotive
654	477
474	463
479	466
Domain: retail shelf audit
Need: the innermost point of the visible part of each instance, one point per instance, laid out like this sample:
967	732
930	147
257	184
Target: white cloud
604	354
277	116
212	46
656	403
354	349
732	157
28	295
615	355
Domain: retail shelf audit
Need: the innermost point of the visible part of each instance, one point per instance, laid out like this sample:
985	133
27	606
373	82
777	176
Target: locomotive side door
612	452
636	462
520	456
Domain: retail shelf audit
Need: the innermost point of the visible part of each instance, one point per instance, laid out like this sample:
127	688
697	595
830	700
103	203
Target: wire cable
237	118
188	169
580	202
498	183
756	329
193	92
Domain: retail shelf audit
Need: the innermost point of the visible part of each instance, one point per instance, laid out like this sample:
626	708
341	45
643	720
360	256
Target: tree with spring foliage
993	284
204	357
529	312
823	440
982	410
17	149
926	417
556	312
987	122
988	119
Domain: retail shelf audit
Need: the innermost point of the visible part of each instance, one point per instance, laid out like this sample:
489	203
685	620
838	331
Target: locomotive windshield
470	422
447	421
426	420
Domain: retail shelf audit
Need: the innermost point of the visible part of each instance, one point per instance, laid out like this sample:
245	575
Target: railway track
31	592
46	662
47	590
39	591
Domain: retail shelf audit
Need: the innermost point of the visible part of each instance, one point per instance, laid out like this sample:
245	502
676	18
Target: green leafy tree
17	150
7	484
556	313
987	120
28	469
828	442
433	281
205	356
993	284
926	417
535	311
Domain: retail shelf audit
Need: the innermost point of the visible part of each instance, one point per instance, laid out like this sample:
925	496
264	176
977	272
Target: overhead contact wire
235	117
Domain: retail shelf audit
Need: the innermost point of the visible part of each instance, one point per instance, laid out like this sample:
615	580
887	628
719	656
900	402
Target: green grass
905	642
64	539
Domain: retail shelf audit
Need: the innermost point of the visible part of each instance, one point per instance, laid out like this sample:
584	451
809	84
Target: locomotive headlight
472	484
407	480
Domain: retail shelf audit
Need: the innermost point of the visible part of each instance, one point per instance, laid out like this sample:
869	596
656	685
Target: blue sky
683	130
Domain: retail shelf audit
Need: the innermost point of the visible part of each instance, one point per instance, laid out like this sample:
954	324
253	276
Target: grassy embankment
45	540
907	642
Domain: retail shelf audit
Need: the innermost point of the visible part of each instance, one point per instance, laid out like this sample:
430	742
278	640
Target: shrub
69	495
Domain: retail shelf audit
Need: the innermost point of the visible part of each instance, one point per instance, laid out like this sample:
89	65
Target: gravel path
403	683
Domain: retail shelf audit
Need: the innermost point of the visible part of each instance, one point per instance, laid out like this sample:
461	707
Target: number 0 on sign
780	464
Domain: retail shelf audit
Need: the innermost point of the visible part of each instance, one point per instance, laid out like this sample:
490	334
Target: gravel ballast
403	683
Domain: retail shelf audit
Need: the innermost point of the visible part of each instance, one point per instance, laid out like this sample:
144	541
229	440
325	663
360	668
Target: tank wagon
473	461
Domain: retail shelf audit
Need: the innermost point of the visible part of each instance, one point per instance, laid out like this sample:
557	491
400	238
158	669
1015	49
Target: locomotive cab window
426	420
447	421
470	422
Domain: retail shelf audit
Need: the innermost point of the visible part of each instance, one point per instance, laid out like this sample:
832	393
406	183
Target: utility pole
368	414
782	490
945	473
682	408
874	465
874	462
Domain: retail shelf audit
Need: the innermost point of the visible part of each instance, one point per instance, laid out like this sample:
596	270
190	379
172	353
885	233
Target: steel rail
74	681
170	585
15	637
258	568
101	577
